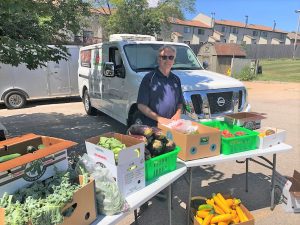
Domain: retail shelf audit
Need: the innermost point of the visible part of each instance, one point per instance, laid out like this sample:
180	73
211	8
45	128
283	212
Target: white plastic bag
109	199
183	126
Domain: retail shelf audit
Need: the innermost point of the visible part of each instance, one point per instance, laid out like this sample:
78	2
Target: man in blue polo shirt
160	96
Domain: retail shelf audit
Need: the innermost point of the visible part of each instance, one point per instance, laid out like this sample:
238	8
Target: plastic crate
159	165
249	141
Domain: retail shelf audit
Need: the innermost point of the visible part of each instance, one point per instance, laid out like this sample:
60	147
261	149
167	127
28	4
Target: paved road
67	119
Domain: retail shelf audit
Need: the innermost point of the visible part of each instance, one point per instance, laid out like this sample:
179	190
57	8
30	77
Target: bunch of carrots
220	211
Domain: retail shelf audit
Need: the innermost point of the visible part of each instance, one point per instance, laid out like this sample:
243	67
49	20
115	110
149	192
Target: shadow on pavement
75	127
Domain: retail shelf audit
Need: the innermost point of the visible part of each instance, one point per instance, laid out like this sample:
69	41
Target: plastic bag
109	199
183	126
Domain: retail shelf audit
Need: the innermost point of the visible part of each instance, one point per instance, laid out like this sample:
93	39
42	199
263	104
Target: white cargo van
17	84
109	76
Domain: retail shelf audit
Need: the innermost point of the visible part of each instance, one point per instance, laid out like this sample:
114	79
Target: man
160	96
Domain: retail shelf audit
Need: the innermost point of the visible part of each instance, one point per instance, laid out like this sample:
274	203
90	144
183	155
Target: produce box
249	120
198	200
269	136
230	145
204	143
287	190
129	171
162	164
29	167
83	206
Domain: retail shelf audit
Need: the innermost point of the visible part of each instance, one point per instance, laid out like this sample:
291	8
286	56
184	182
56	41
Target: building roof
192	23
103	10
225	49
292	36
250	26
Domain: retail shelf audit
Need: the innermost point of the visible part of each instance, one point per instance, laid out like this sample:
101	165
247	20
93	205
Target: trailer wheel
14	100
87	104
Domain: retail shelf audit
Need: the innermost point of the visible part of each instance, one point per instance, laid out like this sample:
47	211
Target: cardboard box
83	204
273	139
195	146
287	191
29	167
193	211
249	120
129	172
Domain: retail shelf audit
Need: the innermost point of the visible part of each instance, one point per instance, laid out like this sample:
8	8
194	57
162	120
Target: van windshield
143	57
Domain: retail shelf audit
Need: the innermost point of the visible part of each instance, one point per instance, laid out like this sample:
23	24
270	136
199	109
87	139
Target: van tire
14	100
87	104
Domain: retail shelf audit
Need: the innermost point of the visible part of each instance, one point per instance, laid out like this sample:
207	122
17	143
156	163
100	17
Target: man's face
166	59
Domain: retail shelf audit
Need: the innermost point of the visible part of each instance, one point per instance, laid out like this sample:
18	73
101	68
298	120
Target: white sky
152	2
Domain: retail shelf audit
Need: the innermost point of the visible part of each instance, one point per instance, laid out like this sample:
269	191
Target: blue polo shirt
161	94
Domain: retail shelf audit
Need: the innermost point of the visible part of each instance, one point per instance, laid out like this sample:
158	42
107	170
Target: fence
255	51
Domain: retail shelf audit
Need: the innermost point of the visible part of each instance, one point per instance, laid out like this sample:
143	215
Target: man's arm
149	113
178	113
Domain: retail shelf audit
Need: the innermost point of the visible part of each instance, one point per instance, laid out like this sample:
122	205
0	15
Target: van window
143	57
115	57
85	58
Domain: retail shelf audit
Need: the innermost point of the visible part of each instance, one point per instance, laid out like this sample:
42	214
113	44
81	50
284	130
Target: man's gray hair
170	47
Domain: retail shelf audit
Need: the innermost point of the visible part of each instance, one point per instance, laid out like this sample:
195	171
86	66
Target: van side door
117	93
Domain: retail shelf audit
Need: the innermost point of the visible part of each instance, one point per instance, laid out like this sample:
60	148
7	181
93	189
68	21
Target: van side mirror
205	65
109	69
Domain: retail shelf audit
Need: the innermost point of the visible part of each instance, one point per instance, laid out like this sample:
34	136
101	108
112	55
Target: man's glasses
165	57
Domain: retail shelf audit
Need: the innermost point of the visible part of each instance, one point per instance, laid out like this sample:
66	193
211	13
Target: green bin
159	165
235	144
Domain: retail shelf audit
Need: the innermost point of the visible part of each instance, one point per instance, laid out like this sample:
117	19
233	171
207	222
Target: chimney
246	23
212	24
274	25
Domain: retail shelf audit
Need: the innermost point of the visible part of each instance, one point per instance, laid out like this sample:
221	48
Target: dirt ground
280	101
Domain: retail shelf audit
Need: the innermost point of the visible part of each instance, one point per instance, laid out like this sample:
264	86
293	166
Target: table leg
272	182
190	175
170	203
135	217
247	170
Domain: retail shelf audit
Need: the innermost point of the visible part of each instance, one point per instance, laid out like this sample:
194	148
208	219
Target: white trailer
18	84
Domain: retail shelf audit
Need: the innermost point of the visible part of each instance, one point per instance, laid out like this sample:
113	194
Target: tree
135	16
28	27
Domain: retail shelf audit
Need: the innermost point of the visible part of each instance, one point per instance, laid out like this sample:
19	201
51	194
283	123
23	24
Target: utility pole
296	36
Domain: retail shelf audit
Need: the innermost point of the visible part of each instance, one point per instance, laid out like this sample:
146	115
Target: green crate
159	165
238	143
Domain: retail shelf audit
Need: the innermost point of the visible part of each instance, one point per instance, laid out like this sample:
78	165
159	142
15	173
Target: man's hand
163	120
177	114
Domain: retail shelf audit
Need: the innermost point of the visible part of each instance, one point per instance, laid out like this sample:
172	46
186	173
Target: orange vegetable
208	218
223	223
229	202
199	220
219	202
221	218
202	213
241	214
220	196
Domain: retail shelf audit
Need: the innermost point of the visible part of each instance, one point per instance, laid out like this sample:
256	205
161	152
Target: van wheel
87	104
14	100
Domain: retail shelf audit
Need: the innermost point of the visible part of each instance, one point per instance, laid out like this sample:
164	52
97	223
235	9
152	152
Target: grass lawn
284	70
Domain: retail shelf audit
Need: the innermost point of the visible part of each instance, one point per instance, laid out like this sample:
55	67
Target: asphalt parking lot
65	118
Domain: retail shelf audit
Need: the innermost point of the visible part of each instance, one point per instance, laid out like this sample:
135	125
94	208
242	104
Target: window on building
201	31
281	36
264	34
88	36
187	30
255	33
223	29
234	30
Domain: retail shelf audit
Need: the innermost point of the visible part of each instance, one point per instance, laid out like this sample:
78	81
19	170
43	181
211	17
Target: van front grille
220	102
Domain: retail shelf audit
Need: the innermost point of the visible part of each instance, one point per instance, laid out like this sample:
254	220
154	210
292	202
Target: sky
259	12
